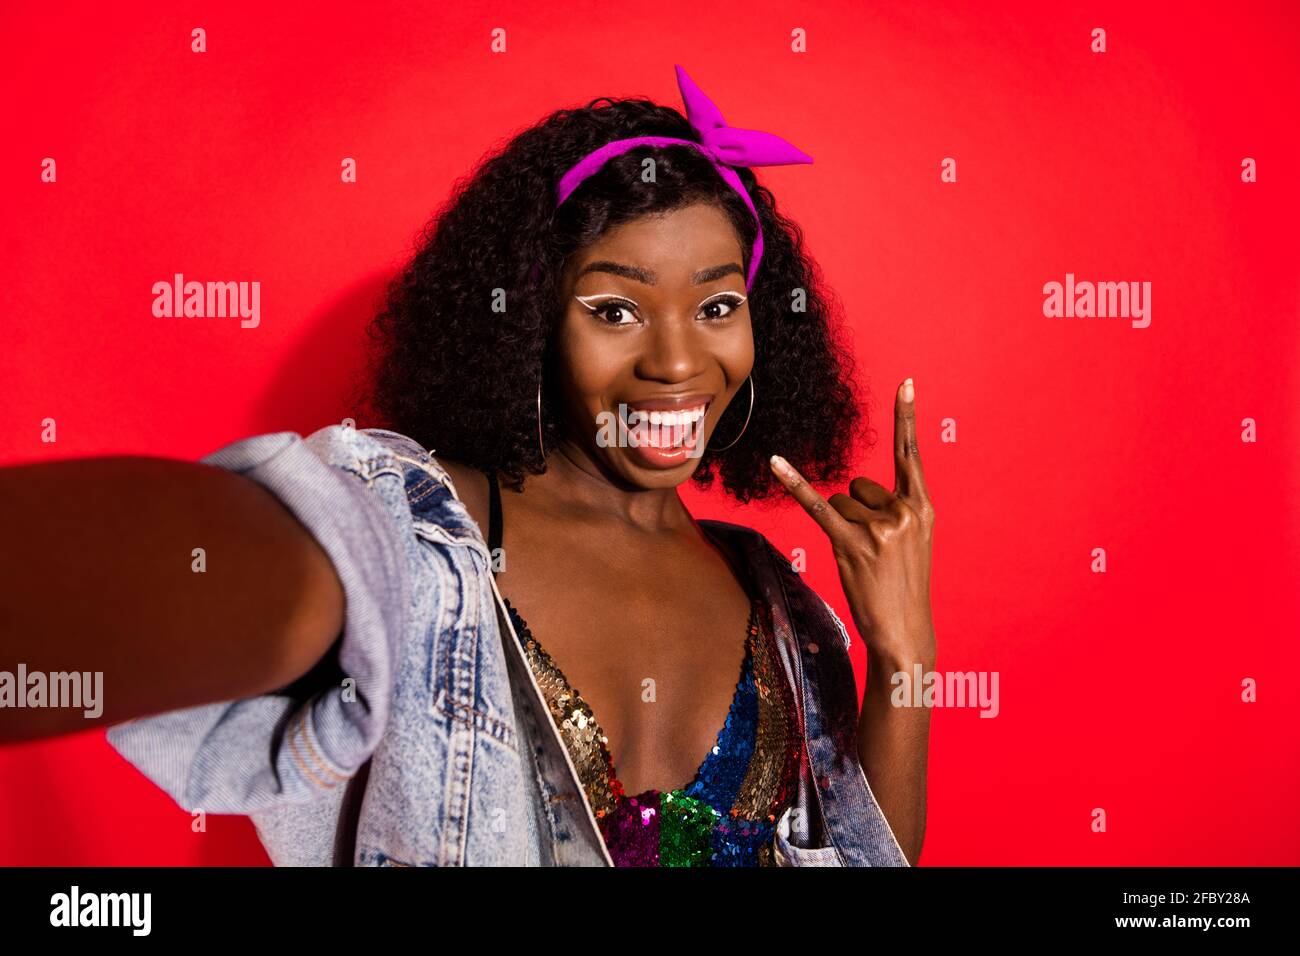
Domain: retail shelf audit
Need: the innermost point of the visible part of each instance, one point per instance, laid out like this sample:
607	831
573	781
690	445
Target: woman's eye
615	312
720	308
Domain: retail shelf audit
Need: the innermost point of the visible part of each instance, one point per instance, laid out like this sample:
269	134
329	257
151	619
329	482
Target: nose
674	352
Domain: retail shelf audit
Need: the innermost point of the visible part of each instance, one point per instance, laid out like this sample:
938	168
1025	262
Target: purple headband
725	146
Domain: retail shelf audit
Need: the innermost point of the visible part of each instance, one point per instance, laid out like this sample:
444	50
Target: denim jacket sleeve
297	744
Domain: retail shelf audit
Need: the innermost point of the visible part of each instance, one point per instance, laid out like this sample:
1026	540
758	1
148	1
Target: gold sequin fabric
726	815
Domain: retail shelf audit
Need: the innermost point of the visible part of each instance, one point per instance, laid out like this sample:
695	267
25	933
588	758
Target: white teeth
665	417
681	419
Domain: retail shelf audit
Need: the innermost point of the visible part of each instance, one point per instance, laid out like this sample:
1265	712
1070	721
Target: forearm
893	746
98	574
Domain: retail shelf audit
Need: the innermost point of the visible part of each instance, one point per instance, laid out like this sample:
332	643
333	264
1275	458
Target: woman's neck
573	480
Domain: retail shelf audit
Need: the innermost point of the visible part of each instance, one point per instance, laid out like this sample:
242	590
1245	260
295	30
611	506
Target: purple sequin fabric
726	815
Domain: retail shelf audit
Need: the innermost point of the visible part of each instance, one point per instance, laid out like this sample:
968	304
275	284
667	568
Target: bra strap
494	513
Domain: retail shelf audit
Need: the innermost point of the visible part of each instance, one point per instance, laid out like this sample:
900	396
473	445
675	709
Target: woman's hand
881	541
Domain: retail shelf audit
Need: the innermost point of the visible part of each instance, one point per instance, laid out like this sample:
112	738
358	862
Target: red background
1118	690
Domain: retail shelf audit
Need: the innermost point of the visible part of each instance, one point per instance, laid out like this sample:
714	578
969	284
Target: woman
604	311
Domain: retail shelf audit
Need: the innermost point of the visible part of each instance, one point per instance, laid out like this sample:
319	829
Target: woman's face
654	344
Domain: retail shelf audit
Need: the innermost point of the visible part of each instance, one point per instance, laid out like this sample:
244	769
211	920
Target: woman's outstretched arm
101	571
882	541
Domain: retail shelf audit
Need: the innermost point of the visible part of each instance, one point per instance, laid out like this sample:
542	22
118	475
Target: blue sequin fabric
726	815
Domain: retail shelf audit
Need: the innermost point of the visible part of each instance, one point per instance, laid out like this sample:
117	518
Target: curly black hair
460	377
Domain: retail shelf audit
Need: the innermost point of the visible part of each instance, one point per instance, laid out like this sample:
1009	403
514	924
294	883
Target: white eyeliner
588	299
735	300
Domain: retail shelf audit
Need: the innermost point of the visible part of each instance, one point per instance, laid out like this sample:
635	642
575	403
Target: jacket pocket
787	854
464	658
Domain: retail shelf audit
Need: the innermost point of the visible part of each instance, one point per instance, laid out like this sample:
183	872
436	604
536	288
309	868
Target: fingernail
909	390
782	467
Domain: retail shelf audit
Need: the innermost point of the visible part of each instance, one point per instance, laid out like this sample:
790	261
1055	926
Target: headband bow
725	146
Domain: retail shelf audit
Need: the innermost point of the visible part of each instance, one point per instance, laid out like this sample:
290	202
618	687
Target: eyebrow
647	277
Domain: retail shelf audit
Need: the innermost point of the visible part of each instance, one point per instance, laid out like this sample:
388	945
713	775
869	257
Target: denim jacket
422	738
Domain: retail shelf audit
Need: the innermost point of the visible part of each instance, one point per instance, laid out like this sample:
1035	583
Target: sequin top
726	815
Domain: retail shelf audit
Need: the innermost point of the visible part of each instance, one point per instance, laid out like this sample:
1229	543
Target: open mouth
664	429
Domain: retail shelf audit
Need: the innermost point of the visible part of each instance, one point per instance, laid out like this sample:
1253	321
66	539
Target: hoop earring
749	378
540	447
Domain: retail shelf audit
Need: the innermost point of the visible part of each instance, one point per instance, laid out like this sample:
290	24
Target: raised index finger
909	479
830	520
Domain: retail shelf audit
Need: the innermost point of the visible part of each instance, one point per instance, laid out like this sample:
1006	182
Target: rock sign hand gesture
881	540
